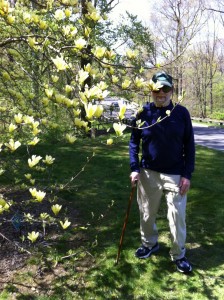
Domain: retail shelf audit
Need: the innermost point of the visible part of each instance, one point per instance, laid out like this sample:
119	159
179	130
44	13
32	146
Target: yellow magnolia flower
34	141
80	43
68	12
45	101
33	236
13	145
139	82
126	84
99	52
110	141
131	53
68	88
115	79
70	138
56	209
168	112
66	224
90	110
99	111
33	192
119	128
44	216
28	176
40	196
43	25
18	118
154	86
66	29
110	54
49	92
12	127
102	85
87	31
34	160
82	75
122	111
59	14
55	79
31	41
76	112
49	160
80	123
95	16
60	63
26	17
2	171
10	19
28	119
32	181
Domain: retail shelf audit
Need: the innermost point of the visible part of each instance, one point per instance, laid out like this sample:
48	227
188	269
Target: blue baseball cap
164	78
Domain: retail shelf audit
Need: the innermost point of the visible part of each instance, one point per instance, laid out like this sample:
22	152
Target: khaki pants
151	186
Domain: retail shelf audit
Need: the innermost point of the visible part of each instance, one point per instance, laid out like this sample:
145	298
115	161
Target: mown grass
100	195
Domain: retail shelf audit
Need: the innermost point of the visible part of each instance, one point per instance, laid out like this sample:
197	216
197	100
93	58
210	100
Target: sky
141	8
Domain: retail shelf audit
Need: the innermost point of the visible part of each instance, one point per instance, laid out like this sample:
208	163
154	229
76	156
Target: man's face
161	98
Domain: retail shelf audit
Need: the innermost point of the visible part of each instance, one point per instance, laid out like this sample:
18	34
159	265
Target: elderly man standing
165	167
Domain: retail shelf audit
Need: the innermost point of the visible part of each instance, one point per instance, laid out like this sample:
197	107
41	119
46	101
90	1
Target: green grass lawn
100	195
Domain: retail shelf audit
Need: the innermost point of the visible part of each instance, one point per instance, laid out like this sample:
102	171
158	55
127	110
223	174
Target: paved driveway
210	137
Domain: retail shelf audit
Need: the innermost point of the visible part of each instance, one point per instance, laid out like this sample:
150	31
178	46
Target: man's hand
184	185
134	178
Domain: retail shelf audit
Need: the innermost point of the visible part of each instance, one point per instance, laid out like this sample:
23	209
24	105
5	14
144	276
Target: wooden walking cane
125	222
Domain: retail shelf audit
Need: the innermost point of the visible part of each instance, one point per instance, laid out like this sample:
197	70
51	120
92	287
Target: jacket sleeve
134	146
189	148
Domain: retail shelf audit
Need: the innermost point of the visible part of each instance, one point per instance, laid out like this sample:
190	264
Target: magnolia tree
55	71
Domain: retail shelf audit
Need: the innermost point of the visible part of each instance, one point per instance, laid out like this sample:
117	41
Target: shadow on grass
101	196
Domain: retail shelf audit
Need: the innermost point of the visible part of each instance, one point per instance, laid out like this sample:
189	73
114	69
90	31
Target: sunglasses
165	89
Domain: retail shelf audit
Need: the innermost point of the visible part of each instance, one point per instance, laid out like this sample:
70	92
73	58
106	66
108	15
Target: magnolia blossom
90	110
122	111
110	141
95	16
99	111
13	145
80	123
34	141
126	83
56	209
44	216
12	127
99	52
49	92
115	79
70	138
34	160
33	236
66	224
18	118
28	176
49	160
28	119
119	128
80	43
139	82
59	14
131	53
60	63
82	75
38	195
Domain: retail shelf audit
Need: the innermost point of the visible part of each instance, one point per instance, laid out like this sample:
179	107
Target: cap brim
163	82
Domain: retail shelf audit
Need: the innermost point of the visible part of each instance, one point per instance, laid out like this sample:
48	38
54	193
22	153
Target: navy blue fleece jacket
168	146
